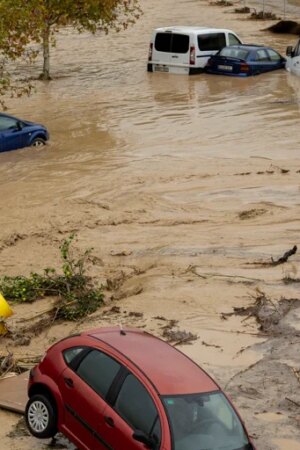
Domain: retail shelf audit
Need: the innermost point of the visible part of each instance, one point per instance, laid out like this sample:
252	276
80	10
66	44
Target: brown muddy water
179	184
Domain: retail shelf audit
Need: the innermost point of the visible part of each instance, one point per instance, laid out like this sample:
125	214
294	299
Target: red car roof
170	371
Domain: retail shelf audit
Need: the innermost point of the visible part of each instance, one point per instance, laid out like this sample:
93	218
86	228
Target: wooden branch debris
296	373
293	401
281	260
285	257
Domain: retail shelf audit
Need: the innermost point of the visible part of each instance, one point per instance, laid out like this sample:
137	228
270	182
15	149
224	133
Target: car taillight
150	52
244	67
192	55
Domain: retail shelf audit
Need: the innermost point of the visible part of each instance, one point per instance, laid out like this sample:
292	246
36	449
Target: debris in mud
251	213
160	318
19	430
242	173
35	328
285	26
281	169
283	259
59	441
211	345
221	3
289	280
242	10
177	337
129	292
7	364
249	392
263	172
20	339
266	312
135	314
113	310
116	282
293	402
120	252
263	15
11	364
296	373
13	239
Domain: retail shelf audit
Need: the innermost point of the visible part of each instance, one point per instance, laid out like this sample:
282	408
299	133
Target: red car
115	389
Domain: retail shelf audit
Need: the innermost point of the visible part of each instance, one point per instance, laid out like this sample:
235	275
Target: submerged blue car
16	133
244	60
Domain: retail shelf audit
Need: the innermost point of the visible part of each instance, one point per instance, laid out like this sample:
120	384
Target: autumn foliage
37	21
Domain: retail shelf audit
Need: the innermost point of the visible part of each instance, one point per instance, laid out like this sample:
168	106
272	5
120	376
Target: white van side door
171	52
180	53
162	47
209	44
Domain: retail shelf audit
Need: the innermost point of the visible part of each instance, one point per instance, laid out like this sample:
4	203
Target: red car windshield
205	422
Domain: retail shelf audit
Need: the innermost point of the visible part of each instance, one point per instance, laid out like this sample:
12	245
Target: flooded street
179	183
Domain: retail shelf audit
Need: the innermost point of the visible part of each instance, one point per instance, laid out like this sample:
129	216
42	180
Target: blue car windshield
231	52
204	422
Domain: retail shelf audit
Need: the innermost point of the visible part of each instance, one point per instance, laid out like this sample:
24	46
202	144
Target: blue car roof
8	115
249	47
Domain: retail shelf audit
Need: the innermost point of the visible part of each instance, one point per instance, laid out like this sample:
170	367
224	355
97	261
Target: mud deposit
187	188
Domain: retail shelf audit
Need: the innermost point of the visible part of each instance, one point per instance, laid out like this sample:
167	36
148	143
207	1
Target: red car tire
41	416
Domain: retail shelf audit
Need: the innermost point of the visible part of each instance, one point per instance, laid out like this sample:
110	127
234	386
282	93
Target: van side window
233	40
163	42
213	41
172	43
180	43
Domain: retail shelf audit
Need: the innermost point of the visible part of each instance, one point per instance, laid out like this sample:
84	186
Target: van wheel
41	417
149	68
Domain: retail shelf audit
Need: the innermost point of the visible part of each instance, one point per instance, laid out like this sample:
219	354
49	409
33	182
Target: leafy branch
76	294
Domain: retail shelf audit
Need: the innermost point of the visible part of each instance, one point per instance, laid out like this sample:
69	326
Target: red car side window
71	353
98	370
137	408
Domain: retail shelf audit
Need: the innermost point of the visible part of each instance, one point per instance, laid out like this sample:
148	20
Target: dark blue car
16	133
244	60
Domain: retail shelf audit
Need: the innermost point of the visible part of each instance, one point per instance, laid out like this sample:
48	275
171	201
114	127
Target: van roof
189	29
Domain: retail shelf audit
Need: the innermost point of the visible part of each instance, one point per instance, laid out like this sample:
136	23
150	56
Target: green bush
77	295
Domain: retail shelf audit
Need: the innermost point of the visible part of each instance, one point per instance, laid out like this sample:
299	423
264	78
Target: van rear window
207	42
172	43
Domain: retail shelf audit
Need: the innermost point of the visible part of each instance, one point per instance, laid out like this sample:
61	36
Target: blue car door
12	135
262	62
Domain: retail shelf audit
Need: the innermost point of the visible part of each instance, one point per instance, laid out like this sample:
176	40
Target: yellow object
3	328
5	309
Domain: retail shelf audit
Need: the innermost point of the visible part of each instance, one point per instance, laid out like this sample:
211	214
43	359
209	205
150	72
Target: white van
293	59
186	49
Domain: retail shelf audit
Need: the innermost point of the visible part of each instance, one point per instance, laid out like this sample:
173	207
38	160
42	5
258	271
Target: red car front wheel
41	417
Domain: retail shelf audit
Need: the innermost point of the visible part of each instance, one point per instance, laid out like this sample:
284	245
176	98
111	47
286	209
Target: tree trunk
46	54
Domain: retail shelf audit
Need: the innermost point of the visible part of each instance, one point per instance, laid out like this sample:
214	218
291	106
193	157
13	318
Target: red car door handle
69	382
109	421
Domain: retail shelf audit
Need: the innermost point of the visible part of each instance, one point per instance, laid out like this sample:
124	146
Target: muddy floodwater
181	185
